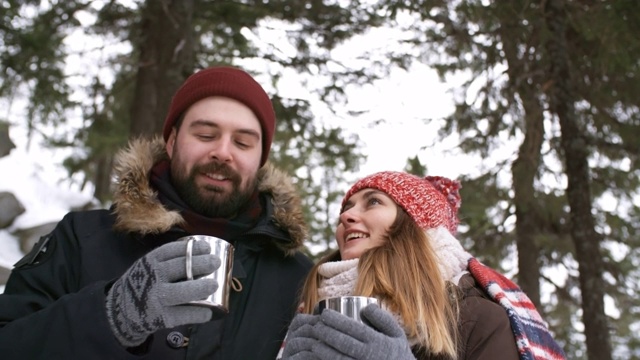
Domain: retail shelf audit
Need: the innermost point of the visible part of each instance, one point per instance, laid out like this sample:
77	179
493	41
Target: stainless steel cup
347	305
219	300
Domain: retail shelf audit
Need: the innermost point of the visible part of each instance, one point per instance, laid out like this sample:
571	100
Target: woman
395	242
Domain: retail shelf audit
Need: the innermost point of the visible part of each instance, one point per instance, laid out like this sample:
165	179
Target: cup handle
188	259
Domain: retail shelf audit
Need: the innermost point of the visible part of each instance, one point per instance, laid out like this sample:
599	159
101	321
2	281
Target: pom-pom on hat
431	201
230	82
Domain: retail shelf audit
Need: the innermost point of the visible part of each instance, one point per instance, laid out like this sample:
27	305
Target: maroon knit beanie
229	82
431	202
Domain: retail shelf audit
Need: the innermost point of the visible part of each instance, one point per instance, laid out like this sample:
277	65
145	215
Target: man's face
215	156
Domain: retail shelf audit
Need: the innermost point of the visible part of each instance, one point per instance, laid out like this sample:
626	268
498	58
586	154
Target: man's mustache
218	168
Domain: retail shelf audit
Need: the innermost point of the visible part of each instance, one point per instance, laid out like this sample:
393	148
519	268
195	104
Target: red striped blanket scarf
532	336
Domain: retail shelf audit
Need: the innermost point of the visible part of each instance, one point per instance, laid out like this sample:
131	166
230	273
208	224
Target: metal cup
346	305
218	302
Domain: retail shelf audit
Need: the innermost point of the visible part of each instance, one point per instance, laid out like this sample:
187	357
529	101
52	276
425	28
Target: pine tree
507	50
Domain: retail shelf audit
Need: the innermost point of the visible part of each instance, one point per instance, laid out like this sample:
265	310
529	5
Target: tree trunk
525	167
574	145
524	170
166	59
102	179
6	145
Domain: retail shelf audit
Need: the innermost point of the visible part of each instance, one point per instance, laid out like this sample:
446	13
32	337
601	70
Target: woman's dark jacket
53	304
484	328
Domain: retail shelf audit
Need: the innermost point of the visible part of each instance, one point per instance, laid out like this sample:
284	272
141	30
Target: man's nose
221	150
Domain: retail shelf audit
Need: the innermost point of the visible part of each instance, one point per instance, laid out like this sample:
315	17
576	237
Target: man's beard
211	201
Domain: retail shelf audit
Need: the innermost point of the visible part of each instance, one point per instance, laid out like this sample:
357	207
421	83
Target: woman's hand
300	340
338	337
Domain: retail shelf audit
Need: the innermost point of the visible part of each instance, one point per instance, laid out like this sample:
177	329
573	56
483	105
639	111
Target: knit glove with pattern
152	293
344	338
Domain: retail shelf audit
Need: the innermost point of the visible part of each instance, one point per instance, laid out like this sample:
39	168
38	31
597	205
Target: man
111	284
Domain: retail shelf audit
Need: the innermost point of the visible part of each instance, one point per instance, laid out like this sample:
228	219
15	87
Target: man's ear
171	141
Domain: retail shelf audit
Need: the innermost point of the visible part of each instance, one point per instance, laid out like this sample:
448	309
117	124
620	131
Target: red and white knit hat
432	201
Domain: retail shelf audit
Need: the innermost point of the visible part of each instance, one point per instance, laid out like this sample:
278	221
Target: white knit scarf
338	278
452	257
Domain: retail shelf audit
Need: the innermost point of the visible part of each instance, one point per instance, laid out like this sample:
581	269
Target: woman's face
365	220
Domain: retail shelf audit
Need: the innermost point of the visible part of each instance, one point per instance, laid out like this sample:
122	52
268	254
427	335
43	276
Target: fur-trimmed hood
138	209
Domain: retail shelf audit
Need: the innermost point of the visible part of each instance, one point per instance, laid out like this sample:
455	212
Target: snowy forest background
543	129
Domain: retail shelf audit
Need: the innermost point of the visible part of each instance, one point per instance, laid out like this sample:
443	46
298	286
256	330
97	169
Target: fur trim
288	214
136	206
138	209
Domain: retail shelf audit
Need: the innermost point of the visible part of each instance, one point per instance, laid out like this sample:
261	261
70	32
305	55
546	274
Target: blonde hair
403	273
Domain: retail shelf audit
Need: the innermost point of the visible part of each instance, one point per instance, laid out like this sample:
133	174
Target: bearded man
114	284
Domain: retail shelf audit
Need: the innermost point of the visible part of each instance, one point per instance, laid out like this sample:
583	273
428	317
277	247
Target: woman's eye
374	201
346	207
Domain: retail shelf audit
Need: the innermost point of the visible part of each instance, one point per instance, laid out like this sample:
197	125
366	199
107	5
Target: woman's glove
341	337
149	295
300	340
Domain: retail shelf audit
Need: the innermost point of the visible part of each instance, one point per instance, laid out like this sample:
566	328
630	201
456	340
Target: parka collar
138	209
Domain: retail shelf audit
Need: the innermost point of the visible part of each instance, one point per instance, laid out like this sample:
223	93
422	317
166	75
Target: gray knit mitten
300	339
149	295
344	338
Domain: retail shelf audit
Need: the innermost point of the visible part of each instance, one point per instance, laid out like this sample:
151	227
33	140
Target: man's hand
152	294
